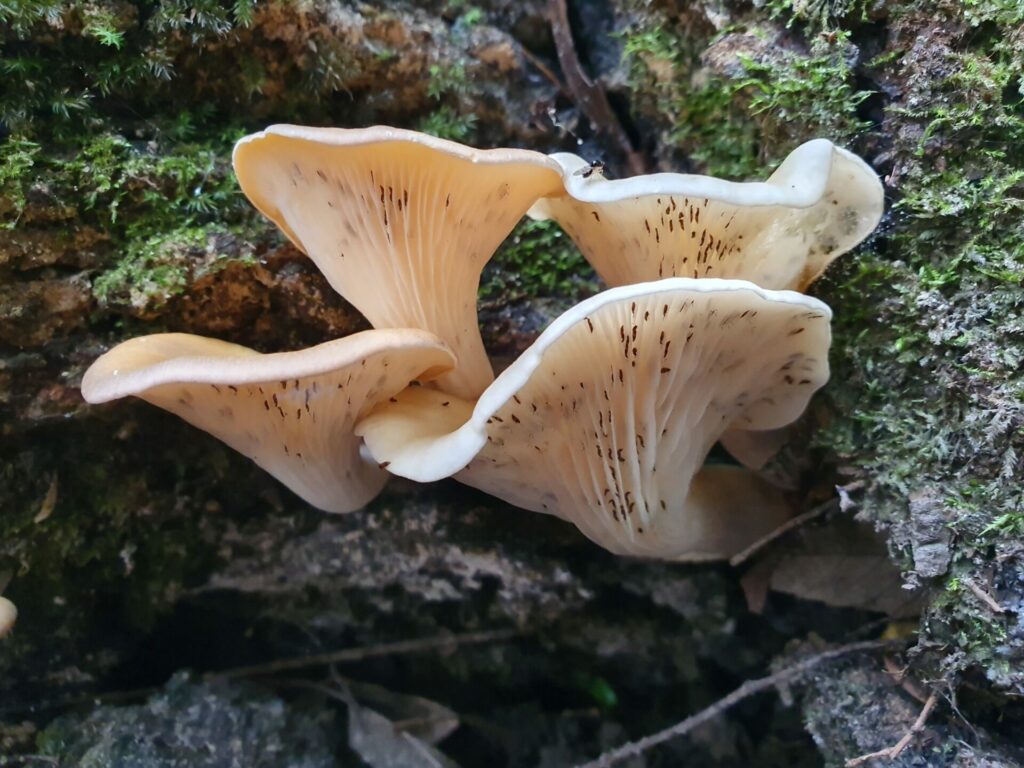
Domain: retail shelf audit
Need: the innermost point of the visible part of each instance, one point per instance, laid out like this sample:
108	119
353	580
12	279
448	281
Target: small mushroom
400	223
8	616
290	412
779	234
8	610
607	418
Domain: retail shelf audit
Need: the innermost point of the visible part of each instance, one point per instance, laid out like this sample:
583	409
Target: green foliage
445	123
447	78
819	15
159	267
771	101
184	185
814	90
448	83
64	61
538	259
471	17
17	159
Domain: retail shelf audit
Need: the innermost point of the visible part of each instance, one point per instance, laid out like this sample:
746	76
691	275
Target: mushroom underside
607	419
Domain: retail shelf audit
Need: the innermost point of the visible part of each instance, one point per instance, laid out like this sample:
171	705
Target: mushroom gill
779	234
400	223
607	418
290	412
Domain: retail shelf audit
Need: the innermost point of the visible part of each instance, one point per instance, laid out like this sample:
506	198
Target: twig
591	97
369	652
908	684
745	691
545	70
894	751
984	596
420	645
789	525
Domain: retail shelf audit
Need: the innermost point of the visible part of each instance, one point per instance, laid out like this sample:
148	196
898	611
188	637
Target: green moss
929	361
449	84
447	78
819	15
48	92
156	268
446	123
164	208
17	159
772	99
538	259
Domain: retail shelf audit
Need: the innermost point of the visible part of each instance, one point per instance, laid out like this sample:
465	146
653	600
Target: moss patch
538	259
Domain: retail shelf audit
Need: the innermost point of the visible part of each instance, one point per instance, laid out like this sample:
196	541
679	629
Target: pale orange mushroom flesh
400	223
292	413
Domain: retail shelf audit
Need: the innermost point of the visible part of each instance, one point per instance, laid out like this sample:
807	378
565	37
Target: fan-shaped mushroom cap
779	234
606	419
8	616
400	223
290	412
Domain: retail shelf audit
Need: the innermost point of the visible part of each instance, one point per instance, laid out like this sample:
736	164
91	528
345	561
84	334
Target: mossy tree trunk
137	548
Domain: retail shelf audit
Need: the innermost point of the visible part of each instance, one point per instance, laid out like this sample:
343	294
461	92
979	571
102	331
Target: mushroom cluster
606	420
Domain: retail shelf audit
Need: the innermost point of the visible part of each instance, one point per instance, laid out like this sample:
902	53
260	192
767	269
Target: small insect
596	166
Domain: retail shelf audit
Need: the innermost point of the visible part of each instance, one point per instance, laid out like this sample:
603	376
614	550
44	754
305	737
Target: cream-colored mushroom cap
779	234
607	418
290	412
400	223
8	616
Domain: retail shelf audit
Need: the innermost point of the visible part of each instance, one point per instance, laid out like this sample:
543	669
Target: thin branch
590	97
908	684
420	645
786	527
745	691
984	596
545	70
894	751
